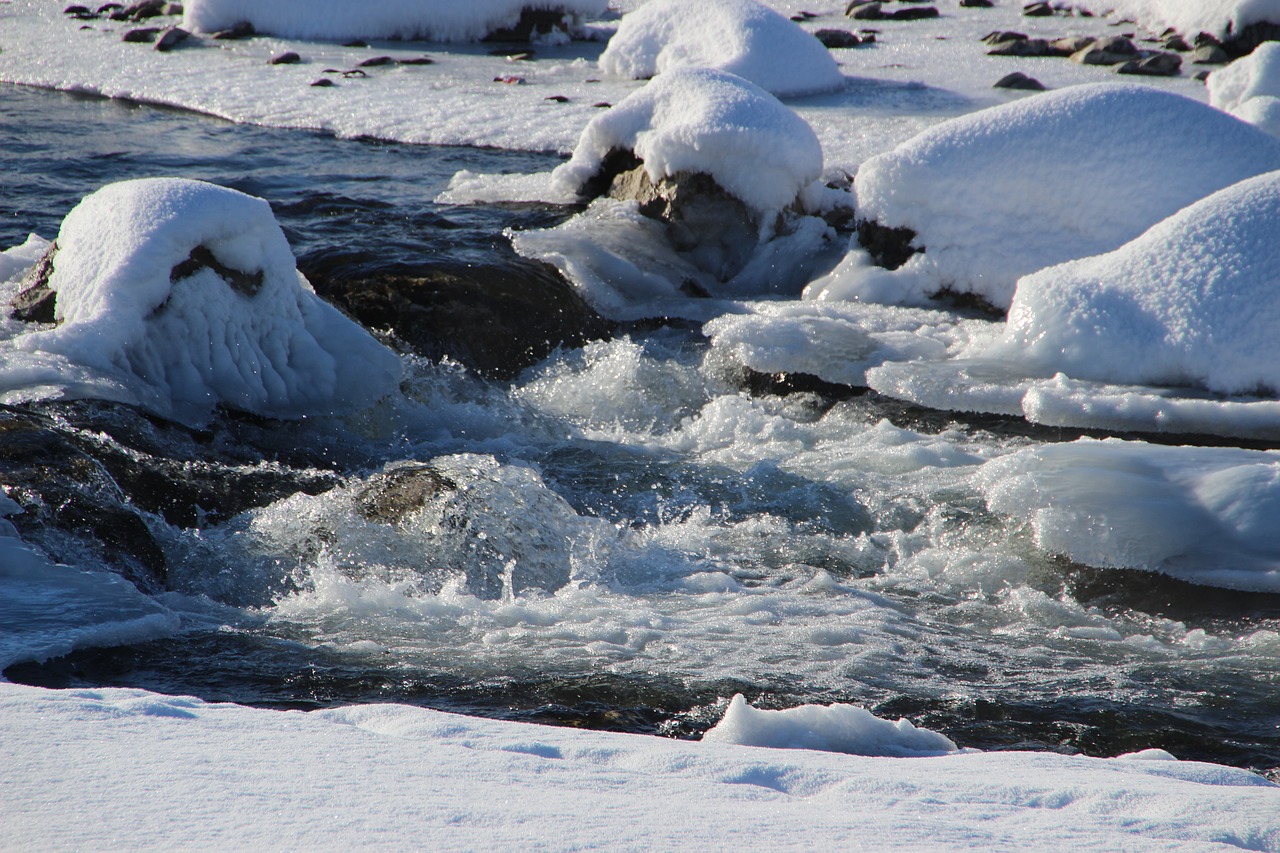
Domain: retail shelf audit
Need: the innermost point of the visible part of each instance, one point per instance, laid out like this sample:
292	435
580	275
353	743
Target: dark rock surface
889	247
1018	80
36	302
1154	65
393	495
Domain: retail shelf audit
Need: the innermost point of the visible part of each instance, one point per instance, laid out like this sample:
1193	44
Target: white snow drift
1218	17
141	320
430	20
1249	88
738	36
1003	192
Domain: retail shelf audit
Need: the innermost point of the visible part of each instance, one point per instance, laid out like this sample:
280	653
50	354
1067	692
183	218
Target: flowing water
622	537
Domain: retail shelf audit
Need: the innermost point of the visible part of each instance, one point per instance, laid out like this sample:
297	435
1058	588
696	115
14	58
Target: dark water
368	205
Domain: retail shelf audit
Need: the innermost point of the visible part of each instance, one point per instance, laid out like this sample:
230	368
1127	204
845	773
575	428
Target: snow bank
430	20
247	778
703	120
1204	515
833	728
1218	17
1000	193
1249	88
181	296
741	37
1195	301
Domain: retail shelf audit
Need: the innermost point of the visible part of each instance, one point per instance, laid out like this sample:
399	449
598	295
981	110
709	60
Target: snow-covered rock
1249	88
1000	193
739	36
430	20
705	121
1220	18
1195	302
182	296
831	728
1203	515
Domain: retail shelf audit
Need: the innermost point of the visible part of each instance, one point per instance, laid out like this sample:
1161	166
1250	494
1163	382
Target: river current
653	529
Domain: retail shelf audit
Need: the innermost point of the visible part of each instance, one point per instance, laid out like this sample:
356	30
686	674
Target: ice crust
131	328
1249	88
1002	192
741	37
708	121
431	20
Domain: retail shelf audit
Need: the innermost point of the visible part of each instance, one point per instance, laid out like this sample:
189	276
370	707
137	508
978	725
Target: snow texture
333	20
833	728
1203	515
703	120
246	778
183	342
1195	302
1249	88
741	37
1000	193
1220	18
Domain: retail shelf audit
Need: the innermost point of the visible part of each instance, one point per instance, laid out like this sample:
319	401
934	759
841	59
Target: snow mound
707	121
181	296
833	728
1249	88
1195	301
429	20
1000	193
1221	18
738	36
1203	515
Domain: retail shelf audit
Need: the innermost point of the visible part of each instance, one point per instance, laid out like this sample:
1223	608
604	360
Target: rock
1112	50
864	10
888	247
1210	54
239	30
913	13
1201	76
495	319
1001	36
1205	40
201	257
1250	37
1155	65
322	83
976	4
287	58
375	61
80	13
171	38
140	11
837	39
1021	47
1018	80
532	24
1037	10
395	494
142	35
355	43
35	302
108	8
1070	45
1176	42
417	60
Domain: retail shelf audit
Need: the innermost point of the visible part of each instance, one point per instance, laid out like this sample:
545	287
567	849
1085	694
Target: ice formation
1203	515
738	36
1000	193
180	296
1192	302
430	20
833	728
1249	88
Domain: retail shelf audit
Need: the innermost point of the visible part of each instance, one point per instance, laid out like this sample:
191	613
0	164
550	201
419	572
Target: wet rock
142	35
1210	54
837	39
496	319
36	302
1112	50
888	247
171	38
1018	80
1155	65
237	31
1037	10
286	58
395	494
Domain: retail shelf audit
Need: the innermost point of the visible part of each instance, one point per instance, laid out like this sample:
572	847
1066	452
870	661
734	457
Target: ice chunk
738	36
181	296
1000	193
833	728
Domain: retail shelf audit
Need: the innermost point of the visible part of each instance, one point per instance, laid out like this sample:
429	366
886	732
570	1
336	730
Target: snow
1203	515
1220	18
1002	192
334	20
1192	302
741	37
703	120
1249	88
833	728
179	772
130	327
